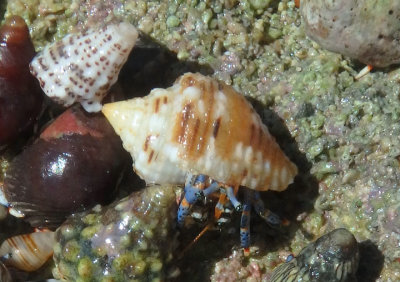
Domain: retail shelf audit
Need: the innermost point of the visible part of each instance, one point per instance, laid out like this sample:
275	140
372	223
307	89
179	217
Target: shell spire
201	126
83	67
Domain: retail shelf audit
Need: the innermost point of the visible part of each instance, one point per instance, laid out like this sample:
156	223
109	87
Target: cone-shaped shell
202	126
83	67
28	252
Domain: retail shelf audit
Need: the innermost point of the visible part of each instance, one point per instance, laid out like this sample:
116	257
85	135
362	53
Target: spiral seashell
83	67
201	126
28	252
332	257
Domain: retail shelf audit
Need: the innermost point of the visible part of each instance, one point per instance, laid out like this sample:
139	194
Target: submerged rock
131	239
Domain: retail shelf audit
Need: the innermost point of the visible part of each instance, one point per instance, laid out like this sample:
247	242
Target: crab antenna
207	227
217	214
219	208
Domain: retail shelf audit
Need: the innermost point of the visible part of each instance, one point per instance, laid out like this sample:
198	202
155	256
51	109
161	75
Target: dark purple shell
21	97
75	165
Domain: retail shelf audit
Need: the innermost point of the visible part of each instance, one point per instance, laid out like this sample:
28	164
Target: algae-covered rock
129	240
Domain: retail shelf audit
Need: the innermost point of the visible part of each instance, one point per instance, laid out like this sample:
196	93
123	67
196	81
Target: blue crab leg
231	194
214	187
245	223
271	218
193	185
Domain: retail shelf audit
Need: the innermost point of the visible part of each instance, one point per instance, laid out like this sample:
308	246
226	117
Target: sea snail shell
201	126
83	67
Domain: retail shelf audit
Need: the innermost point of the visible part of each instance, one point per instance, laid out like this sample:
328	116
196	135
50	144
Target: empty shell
83	67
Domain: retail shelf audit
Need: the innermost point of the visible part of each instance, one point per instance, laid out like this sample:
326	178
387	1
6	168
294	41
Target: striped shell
28	252
201	126
83	67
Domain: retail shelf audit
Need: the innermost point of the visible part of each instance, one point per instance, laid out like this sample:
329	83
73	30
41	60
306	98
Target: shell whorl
28	252
202	126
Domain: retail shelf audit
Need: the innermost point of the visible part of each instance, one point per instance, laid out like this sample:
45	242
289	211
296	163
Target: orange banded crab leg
252	198
195	189
223	199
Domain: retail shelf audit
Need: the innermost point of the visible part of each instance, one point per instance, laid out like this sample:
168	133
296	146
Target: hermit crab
203	133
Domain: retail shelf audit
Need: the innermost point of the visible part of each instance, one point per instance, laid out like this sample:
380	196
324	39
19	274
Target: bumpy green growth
108	241
48	20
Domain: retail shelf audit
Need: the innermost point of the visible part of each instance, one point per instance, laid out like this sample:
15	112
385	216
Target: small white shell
28	252
83	67
200	126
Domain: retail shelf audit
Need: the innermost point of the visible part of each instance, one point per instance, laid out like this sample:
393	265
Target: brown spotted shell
201	126
83	67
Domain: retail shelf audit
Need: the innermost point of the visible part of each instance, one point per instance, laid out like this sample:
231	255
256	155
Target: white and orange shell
83	67
28	252
200	126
